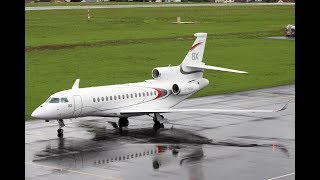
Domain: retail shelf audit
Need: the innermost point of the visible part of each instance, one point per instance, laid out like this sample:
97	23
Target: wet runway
192	145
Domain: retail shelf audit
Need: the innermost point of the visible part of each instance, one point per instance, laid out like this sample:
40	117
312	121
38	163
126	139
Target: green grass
121	46
37	4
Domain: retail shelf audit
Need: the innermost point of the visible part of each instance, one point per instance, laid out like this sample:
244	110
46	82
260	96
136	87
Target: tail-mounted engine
165	72
184	88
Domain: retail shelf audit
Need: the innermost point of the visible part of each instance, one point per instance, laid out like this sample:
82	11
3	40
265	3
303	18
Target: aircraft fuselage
108	101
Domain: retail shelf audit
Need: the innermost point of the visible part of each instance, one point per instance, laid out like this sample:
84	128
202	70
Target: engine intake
184	88
164	72
155	73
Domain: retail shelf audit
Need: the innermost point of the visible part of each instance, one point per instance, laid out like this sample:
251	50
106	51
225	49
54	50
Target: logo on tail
194	46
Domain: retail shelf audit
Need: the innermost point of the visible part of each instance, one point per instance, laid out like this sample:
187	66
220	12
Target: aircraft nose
36	114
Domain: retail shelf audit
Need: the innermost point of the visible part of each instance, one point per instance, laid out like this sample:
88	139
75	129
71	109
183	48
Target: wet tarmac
192	146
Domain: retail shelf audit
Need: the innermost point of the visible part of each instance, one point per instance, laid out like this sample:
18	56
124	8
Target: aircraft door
77	105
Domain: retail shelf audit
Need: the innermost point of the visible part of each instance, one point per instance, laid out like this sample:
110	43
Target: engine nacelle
184	88
165	72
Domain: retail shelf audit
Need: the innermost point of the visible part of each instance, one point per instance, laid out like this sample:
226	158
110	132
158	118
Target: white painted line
79	172
281	176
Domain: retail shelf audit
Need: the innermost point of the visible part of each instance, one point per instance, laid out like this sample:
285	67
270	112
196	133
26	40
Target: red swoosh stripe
159	93
194	46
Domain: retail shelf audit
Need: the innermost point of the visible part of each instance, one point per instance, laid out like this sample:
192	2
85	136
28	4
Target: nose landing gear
60	130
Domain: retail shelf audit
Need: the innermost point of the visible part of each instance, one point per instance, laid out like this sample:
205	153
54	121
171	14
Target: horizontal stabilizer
202	66
239	111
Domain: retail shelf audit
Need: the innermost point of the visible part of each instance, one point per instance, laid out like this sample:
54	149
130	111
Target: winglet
76	84
283	108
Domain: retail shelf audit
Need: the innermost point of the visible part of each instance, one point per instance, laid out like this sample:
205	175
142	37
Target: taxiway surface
192	145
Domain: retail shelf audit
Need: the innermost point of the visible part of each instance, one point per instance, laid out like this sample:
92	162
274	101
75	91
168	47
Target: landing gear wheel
60	132
123	122
157	125
120	128
161	125
155	129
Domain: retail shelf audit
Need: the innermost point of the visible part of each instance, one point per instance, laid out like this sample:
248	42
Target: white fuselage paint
88	101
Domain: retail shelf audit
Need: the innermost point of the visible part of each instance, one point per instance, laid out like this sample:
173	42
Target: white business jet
169	86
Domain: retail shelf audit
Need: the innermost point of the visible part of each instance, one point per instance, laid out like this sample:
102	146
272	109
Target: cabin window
143	94
102	98
110	98
106	98
64	100
94	99
98	99
147	93
131	95
155	93
119	96
150	93
115	97
139	94
54	100
135	94
123	96
127	96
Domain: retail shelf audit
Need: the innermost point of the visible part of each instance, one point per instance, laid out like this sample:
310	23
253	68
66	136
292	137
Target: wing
149	111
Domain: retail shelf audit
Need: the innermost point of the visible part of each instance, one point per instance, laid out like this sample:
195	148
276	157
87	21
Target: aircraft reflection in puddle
177	154
162	155
158	156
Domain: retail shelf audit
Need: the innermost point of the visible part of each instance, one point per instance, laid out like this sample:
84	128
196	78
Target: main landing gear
157	125
60	130
123	122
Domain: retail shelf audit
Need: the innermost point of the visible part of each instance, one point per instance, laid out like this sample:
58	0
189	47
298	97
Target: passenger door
77	105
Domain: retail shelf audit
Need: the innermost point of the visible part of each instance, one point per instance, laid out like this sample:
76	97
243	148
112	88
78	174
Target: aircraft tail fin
195	54
192	63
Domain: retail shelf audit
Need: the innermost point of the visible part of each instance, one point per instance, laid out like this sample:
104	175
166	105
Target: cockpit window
48	99
54	100
64	100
